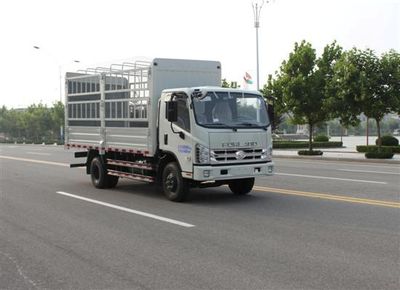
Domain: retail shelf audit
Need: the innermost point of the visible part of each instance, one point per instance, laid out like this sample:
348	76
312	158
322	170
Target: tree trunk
378	128
310	147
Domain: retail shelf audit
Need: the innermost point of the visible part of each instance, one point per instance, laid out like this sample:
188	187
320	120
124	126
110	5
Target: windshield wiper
248	124
221	125
217	124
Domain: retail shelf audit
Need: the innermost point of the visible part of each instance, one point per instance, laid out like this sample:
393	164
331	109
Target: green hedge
304	144
321	138
310	153
388	140
374	148
379	155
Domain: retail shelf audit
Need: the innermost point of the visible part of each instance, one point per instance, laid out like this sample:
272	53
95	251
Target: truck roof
212	88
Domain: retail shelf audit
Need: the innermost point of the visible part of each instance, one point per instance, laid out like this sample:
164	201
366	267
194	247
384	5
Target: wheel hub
171	182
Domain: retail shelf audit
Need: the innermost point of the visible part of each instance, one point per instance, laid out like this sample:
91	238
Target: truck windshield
230	110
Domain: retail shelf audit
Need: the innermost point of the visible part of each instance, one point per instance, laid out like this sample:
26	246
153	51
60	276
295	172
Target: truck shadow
220	195
203	196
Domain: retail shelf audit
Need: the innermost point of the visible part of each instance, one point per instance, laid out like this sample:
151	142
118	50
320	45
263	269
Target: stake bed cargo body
128	102
167	120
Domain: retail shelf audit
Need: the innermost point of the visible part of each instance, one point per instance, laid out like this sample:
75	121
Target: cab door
176	137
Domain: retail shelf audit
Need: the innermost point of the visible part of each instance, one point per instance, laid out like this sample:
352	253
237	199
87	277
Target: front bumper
228	172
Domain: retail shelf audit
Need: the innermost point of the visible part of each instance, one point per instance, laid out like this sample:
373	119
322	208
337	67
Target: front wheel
175	187
241	186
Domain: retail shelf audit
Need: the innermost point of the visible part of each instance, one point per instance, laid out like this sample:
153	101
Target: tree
382	96
345	103
369	84
37	123
273	93
390	65
40	122
4	120
57	116
306	80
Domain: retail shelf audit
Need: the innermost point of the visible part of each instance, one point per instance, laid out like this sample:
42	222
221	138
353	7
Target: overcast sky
99	31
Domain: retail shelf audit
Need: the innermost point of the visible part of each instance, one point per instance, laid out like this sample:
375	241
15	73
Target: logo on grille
240	155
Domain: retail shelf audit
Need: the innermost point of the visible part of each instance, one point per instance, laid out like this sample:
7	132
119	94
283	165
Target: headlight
202	154
266	153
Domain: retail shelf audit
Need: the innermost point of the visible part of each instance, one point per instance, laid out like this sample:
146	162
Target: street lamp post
256	11
61	87
257	5
59	69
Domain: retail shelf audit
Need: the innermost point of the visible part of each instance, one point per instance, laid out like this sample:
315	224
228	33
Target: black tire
175	187
99	176
241	186
112	181
98	173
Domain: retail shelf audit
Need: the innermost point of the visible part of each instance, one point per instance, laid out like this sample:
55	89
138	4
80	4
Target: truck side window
183	112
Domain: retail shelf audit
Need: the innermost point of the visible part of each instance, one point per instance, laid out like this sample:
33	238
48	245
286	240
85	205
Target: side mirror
271	116
171	111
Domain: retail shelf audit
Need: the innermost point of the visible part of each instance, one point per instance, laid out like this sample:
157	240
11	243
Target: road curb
325	158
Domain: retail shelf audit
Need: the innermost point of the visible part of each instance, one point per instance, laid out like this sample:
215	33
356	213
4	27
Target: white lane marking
19	269
141	213
370	171
39	153
35	161
331	178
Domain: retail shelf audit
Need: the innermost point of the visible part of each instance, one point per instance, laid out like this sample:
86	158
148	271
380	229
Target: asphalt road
314	225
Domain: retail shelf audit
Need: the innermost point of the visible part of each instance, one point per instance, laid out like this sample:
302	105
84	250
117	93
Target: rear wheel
175	187
99	176
112	181
241	186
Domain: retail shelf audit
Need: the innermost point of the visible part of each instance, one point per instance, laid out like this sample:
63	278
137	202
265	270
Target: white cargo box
115	109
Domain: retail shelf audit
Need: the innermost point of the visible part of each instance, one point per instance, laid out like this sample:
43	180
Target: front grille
235	155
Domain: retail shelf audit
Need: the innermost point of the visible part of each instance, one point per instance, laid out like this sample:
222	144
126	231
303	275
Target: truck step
77	165
130	164
131	175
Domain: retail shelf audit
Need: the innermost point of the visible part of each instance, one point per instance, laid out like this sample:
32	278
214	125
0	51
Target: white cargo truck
167	121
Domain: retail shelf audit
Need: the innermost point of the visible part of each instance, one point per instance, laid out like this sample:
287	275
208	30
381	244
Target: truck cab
217	135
